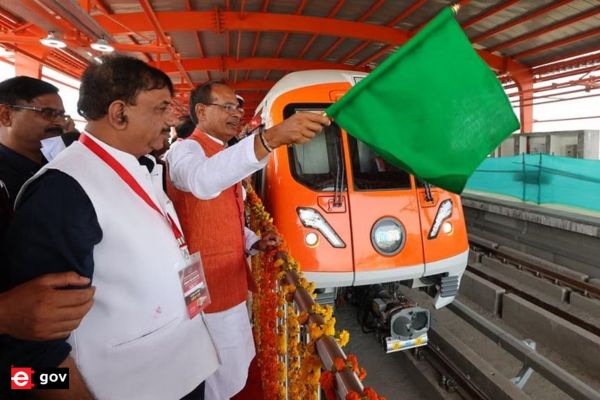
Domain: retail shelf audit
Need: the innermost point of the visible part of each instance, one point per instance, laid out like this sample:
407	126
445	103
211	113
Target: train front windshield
319	164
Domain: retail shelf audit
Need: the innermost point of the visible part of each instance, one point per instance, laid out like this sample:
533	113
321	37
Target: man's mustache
54	130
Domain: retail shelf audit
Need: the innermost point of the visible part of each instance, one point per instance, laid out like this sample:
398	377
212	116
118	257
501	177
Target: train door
385	223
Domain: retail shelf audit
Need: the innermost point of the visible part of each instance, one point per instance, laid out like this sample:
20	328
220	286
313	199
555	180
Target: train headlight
311	218
311	239
388	236
443	213
447	228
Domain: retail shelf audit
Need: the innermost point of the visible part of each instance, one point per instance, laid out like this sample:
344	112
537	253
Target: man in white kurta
205	187
102	212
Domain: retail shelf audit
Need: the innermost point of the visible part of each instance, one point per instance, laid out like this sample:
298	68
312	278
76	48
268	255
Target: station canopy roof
251	44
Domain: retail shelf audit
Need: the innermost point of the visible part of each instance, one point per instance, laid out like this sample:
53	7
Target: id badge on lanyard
191	273
193	284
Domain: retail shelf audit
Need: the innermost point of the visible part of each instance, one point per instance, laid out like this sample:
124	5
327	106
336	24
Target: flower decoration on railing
339	364
291	368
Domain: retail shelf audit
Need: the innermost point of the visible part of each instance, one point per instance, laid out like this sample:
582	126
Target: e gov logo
21	378
40	378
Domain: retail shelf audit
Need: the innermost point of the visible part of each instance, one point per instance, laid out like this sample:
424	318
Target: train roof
300	79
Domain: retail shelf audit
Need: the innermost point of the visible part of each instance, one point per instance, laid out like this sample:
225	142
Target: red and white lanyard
132	183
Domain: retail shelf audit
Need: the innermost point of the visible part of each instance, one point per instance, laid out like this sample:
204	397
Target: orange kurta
215	227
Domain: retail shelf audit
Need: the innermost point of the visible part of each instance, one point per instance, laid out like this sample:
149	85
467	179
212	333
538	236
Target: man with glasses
138	341
205	187
32	110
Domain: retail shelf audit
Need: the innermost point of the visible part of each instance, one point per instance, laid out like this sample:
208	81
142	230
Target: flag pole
455	7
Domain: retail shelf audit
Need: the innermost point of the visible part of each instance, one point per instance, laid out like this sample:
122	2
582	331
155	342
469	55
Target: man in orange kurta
205	187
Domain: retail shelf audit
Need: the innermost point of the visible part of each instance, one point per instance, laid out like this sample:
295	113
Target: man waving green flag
433	108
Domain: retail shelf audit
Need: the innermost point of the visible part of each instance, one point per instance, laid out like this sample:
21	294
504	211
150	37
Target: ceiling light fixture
52	41
103	46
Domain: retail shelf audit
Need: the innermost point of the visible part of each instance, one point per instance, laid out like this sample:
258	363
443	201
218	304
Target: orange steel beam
593	80
405	13
173	21
247	85
99	4
539	32
299	10
334	10
230	63
496	62
567	73
263	9
531	103
460	4
572	64
564	56
556	44
489	13
60	23
545	78
374	7
150	14
124	30
518	21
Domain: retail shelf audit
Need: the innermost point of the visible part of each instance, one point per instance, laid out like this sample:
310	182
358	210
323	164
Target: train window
318	164
370	171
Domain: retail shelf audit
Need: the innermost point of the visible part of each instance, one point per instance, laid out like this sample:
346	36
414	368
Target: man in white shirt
206	191
99	209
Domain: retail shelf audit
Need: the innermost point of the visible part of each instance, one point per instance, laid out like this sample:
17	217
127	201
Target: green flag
433	108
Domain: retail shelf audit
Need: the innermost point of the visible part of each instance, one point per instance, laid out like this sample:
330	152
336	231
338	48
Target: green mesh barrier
541	179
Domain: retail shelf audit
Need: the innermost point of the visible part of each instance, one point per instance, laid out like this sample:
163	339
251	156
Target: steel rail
572	283
562	379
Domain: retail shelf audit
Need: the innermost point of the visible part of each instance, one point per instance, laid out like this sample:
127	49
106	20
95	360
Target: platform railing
298	350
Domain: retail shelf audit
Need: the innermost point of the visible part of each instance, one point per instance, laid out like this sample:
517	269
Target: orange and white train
348	216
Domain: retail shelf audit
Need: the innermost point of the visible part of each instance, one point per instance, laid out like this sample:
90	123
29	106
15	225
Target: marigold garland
277	326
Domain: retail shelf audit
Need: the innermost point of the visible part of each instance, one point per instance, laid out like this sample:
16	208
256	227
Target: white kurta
136	342
192	171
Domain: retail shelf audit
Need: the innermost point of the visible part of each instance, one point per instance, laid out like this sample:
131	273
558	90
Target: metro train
349	217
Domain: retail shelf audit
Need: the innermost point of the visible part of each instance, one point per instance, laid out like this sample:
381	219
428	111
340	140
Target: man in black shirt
32	110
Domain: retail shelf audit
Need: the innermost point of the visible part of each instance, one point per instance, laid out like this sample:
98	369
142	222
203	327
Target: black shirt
54	229
15	169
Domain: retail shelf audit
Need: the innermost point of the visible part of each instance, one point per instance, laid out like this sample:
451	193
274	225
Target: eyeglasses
230	108
48	113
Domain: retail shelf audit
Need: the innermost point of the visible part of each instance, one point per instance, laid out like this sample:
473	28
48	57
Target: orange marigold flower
352	395
302	317
339	364
353	362
372	394
327	384
362	374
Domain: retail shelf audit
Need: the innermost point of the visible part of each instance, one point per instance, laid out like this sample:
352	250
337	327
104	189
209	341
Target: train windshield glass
318	164
371	172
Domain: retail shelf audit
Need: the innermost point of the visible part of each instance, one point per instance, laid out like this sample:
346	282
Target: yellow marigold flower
329	328
343	338
327	312
279	262
315	331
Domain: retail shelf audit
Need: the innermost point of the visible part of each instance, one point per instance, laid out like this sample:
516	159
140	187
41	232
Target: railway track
511	258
